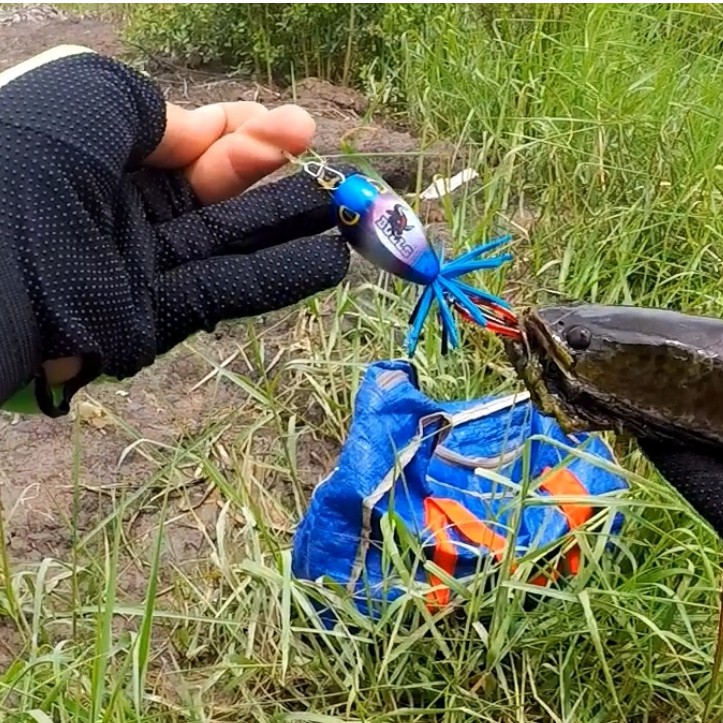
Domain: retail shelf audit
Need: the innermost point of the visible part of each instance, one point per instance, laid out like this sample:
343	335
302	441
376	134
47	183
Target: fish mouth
546	345
539	347
546	368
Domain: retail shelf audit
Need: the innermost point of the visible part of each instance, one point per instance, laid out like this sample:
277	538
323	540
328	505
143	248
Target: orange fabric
573	560
445	554
439	514
565	483
470	526
542	579
442	513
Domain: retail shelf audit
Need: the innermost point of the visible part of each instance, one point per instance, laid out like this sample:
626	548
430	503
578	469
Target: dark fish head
594	367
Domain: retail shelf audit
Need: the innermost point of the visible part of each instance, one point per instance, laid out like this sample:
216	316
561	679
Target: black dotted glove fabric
697	474
117	262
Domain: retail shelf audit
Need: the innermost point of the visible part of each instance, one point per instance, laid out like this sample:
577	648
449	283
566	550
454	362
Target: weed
602	123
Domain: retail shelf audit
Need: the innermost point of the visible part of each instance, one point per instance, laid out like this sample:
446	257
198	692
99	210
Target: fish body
655	373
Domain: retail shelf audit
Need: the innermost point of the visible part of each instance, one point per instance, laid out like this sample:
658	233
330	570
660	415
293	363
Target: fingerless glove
114	262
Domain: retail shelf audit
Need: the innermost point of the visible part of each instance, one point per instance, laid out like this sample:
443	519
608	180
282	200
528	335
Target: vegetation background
603	122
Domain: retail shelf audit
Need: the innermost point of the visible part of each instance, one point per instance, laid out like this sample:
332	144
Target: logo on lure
394	223
384	229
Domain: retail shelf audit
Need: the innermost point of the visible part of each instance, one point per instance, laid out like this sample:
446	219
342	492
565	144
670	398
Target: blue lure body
384	229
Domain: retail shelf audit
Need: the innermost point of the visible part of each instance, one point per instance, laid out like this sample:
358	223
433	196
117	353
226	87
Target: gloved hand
696	473
114	262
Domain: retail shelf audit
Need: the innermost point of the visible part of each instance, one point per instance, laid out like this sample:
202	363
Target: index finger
225	148
188	134
255	149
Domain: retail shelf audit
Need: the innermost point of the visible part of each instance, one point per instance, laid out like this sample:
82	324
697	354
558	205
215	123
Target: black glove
696	473
103	259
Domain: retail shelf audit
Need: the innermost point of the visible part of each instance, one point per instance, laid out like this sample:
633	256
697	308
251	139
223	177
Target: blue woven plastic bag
452	473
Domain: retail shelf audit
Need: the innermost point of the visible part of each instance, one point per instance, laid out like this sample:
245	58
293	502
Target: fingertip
240	112
287	128
300	126
257	148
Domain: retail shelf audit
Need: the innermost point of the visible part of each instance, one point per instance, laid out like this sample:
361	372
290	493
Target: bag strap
564	483
440	514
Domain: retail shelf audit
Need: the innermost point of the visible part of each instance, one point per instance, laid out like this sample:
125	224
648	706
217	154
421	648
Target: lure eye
378	186
347	217
578	338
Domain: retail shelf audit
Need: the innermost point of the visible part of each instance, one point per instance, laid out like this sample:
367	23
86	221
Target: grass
604	123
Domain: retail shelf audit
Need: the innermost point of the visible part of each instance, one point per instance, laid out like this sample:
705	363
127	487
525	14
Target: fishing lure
384	229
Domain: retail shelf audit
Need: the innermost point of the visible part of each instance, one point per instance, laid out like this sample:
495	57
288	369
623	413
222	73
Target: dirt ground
162	405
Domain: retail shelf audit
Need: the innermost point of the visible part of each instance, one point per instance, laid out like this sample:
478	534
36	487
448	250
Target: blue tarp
404	447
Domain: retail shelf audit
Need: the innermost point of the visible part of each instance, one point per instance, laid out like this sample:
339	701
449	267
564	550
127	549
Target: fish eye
578	337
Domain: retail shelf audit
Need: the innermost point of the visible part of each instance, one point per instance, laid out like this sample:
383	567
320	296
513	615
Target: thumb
198	295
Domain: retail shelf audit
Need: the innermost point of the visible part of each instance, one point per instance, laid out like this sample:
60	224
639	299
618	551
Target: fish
654	373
